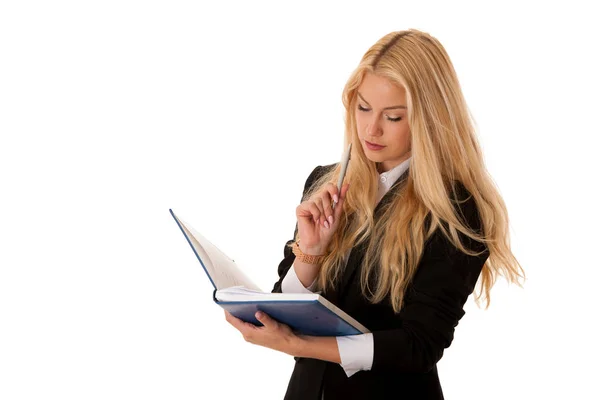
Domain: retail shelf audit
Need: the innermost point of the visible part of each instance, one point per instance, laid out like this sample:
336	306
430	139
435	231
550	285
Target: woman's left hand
272	334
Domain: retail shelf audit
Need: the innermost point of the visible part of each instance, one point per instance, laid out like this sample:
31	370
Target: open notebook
309	314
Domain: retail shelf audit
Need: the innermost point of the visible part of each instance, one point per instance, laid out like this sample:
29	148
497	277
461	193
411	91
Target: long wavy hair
444	149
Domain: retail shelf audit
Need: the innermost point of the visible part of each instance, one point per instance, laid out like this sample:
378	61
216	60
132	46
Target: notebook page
222	269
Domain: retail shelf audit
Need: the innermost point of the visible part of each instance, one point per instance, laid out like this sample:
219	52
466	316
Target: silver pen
344	168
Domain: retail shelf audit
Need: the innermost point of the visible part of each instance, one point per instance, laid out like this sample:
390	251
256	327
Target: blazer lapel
358	252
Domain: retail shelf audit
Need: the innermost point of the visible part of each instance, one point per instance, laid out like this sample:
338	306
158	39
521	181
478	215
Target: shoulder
317	173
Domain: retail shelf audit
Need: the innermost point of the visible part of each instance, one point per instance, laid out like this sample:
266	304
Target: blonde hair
444	150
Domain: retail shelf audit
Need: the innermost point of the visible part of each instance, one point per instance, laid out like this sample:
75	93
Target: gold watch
306	258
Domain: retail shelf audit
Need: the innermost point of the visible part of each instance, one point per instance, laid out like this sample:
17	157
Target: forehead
377	89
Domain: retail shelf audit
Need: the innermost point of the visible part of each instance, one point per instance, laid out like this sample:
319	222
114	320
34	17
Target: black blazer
407	345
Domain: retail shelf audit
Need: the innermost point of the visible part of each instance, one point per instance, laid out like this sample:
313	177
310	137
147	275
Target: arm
304	271
294	276
352	353
292	284
355	352
319	347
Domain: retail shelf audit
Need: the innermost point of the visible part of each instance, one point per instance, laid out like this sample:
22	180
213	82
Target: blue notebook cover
309	317
309	314
306	317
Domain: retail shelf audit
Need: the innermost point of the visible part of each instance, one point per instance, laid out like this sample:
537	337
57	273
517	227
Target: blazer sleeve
433	303
288	256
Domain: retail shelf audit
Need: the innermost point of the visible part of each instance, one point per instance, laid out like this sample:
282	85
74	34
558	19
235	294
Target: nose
374	127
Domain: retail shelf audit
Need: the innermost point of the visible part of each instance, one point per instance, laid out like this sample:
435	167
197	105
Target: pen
344	167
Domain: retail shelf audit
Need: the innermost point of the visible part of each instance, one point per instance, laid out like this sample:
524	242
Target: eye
394	119
361	108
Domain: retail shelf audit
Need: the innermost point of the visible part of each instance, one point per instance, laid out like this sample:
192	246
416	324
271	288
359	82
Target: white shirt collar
388	178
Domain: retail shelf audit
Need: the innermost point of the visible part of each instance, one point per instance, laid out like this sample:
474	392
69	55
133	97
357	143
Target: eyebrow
387	108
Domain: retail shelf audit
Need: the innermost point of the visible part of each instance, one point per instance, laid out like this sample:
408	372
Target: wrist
307	258
298	346
317	347
312	251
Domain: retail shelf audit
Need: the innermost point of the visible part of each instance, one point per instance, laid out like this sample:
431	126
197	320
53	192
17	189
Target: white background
112	112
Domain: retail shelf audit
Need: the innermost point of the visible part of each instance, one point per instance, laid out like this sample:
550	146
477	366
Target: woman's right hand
317	220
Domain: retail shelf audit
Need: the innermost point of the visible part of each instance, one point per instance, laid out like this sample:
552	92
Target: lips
373	146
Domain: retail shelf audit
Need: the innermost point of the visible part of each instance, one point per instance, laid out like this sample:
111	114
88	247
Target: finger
317	199
333	191
319	205
316	210
264	319
228	316
327	210
237	323
344	190
330	196
308	210
334	194
339	206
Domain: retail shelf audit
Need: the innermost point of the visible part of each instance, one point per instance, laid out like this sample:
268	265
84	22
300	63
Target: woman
417	224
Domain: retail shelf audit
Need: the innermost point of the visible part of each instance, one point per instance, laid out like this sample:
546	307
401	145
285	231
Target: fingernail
258	314
330	219
335	198
326	224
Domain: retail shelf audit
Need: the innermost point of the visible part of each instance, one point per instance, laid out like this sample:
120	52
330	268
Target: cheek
358	123
361	122
403	134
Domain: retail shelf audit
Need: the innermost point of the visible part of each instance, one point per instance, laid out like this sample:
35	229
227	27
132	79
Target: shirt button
383	179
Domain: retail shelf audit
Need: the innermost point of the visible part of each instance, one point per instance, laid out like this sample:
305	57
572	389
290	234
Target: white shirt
356	351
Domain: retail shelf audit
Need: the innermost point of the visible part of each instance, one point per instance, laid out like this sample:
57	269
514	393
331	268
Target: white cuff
291	283
356	352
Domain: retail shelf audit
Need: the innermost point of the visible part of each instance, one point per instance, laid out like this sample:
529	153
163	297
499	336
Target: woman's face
381	120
